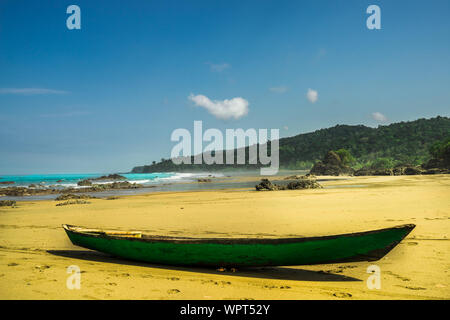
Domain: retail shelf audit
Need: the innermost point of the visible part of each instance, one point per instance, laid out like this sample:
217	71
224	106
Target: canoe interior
361	246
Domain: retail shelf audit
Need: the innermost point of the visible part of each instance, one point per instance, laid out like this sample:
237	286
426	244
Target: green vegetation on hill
441	150
358	146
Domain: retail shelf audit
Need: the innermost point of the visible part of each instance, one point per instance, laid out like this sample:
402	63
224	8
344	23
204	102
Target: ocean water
71	180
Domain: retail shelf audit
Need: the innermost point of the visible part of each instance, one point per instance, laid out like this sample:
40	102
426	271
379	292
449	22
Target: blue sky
107	97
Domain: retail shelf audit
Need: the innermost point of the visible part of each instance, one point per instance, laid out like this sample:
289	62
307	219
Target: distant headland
387	146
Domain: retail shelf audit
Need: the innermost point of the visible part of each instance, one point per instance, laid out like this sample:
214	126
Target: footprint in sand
342	295
173	291
174	278
397	276
41	268
276	287
209	281
12	264
270	287
413	288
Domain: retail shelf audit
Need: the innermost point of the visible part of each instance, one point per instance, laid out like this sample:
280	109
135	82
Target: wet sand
35	252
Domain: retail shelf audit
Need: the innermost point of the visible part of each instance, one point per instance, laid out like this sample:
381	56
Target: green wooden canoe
248	252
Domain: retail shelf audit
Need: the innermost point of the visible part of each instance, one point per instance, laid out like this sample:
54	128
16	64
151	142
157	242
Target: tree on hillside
345	156
440	150
383	163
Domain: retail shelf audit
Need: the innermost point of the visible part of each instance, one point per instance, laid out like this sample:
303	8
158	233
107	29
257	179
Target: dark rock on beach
436	166
111	177
413	170
436	171
303	184
265	184
84	183
203	180
24	191
400	170
374	172
7	203
300	177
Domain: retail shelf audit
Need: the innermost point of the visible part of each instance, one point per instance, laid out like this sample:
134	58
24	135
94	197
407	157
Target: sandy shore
35	252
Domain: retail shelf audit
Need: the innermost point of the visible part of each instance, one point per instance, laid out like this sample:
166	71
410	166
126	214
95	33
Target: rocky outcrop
109	186
412	171
300	177
266	185
331	165
303	184
374	172
436	171
24	191
399	171
436	166
110	177
7	203
84	183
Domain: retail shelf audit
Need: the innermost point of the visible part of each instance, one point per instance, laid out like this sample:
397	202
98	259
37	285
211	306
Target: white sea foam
186	176
157	179
139	181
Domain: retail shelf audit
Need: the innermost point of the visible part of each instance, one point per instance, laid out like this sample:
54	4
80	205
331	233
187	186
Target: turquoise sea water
68	180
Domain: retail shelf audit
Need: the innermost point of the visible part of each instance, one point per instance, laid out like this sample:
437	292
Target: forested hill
403	142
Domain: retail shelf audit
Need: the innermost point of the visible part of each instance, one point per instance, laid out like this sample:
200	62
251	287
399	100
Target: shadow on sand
277	273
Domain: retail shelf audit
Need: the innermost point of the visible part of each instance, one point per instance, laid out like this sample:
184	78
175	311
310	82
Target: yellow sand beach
35	251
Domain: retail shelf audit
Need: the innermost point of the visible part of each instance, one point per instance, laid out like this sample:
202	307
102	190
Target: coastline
36	252
219	181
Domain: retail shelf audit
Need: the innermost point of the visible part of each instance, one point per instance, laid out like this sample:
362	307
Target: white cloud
281	89
377	116
222	109
312	95
218	67
30	91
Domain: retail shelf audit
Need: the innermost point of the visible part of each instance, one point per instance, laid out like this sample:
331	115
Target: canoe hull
363	246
